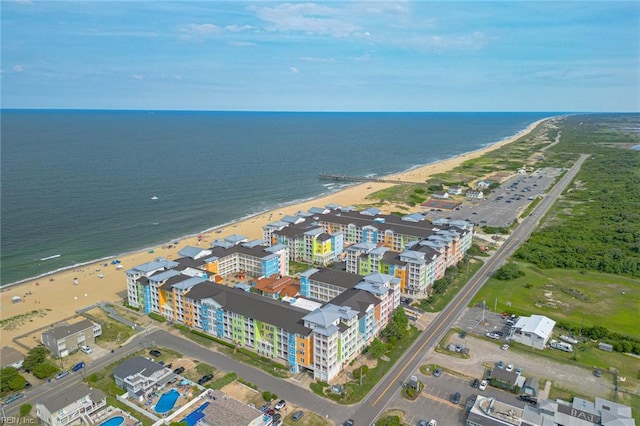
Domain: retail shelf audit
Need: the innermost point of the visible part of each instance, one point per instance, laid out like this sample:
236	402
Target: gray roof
226	411
336	277
9	355
251	305
193	252
394	223
55	401
358	300
62	331
135	365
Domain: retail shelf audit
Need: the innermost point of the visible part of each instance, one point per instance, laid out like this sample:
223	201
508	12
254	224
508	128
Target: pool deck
111	412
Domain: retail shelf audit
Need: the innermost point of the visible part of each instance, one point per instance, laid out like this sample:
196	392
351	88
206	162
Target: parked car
437	372
204	379
519	370
280	404
78	366
85	349
13	397
156	353
455	398
483	385
597	372
423	423
276	417
265	408
509	367
297	415
500	365
62	374
27	385
504	347
528	398
178	370
489	374
493	335
475	383
432	422
348	422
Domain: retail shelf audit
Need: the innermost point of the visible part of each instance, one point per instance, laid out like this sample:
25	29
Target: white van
85	349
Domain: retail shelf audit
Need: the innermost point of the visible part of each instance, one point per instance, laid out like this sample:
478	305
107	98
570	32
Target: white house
10	357
455	190
479	195
440	195
140	377
73	406
533	331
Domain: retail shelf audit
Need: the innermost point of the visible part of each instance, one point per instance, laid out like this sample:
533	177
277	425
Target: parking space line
441	400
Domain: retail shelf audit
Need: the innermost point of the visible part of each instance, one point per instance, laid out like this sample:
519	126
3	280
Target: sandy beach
58	296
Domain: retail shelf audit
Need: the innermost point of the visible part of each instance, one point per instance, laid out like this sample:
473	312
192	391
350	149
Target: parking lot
435	400
504	204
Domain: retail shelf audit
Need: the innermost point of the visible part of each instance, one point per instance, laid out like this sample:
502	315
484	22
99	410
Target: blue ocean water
79	183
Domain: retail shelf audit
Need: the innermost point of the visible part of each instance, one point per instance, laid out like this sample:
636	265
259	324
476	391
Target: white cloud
238	28
294	70
138	77
242	43
308	18
17	68
200	29
316	59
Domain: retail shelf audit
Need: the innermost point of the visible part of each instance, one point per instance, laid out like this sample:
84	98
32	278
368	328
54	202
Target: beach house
65	339
10	357
140	377
73	406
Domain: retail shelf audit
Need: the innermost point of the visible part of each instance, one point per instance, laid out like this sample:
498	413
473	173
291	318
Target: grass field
581	298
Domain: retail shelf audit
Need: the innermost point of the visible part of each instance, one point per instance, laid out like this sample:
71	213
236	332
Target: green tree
25	409
34	357
44	370
508	271
11	380
377	348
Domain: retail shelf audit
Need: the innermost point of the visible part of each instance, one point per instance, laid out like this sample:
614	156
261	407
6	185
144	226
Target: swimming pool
167	401
113	421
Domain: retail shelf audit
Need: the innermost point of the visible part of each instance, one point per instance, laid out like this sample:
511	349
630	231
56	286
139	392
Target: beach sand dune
58	297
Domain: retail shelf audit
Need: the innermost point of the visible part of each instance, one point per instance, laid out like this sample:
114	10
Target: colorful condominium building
158	286
321	337
411	248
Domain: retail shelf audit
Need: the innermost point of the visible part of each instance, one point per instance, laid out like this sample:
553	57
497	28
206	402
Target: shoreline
98	280
484	147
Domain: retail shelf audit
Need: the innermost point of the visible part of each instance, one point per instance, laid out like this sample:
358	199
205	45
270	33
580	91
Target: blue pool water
167	401
113	421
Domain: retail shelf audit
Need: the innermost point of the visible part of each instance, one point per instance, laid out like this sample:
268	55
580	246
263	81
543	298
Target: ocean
79	184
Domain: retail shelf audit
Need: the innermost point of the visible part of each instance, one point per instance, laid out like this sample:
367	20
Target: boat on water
154	197
50	257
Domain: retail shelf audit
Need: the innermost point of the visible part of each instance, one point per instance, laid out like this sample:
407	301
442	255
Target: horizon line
316	111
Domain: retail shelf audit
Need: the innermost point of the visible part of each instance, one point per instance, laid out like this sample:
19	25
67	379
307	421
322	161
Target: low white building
455	190
534	331
479	195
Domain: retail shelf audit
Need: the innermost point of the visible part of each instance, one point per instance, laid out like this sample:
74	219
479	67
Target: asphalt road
383	392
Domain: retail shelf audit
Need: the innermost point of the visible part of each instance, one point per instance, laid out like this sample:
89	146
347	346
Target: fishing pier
345	178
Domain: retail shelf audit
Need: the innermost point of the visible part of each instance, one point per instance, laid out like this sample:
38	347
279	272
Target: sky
573	56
